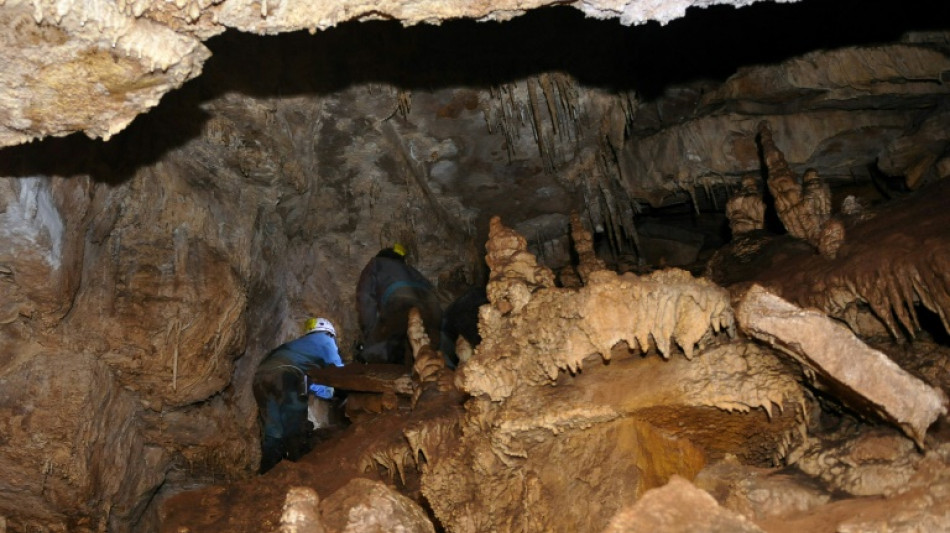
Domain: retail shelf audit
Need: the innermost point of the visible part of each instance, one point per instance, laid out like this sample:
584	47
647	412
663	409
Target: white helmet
320	324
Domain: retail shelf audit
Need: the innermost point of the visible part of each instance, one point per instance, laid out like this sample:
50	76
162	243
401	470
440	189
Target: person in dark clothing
461	319
388	288
281	390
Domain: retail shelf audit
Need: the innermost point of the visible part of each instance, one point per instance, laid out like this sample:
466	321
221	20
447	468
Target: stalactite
545	81
613	224
569	98
707	182
511	107
544	149
628	103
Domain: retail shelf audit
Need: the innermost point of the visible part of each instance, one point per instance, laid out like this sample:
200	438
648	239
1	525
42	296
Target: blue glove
322	391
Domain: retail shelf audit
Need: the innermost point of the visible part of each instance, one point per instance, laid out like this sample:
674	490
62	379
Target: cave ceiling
94	66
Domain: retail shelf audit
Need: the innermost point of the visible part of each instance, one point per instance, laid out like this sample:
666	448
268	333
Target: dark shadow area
145	141
932	326
708	43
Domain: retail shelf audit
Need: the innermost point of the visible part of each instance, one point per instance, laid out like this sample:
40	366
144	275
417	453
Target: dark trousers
388	342
282	407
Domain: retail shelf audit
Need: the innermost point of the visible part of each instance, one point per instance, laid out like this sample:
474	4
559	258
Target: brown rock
367	506
301	512
746	209
858	375
759	493
677	507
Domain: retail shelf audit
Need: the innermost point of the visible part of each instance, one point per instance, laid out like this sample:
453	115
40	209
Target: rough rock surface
746	209
850	478
364	505
864	378
760	493
142	280
678	506
301	512
94	65
708	138
534	399
874	462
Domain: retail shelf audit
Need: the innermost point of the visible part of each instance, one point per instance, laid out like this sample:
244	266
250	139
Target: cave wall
170	283
846	112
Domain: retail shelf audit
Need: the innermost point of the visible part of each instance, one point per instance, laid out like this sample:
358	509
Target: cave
714	238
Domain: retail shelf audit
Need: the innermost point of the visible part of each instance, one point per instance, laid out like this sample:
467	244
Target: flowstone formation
573	374
664	309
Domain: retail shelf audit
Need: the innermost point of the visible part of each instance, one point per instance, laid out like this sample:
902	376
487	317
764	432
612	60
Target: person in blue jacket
387	289
281	388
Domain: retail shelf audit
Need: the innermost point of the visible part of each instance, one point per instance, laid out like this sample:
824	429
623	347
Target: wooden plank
365	378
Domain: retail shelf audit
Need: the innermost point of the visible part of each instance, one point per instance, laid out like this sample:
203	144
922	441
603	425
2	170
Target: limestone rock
301	512
869	72
94	65
759	493
678	506
49	399
711	135
914	499
86	66
916	155
746	209
39	224
803	207
731	397
367	506
860	376
875	462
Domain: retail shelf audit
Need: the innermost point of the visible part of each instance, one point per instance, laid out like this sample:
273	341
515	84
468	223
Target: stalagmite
429	370
588	261
433	422
804	208
863	378
463	349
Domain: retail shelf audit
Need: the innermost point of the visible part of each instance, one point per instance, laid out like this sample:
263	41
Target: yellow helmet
399	249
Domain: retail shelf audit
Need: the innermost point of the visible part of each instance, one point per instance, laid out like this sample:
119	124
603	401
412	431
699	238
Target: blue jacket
313	350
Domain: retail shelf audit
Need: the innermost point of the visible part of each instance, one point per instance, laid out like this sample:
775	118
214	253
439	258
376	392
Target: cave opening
147	276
